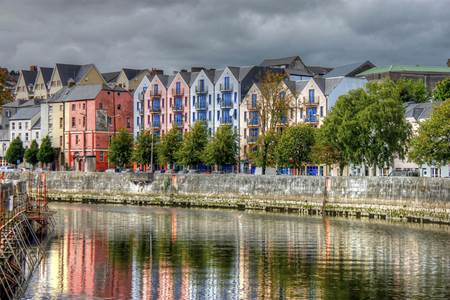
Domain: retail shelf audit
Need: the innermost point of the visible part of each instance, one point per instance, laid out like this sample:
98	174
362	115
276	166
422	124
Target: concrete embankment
414	199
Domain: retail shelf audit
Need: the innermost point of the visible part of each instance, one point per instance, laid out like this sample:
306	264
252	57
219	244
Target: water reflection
118	252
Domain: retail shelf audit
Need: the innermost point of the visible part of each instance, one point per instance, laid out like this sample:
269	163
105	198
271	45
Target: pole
151	158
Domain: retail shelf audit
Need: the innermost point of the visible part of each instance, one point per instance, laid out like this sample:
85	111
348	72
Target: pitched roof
243	72
26	113
350	70
46	74
291	86
131	73
405	68
60	95
36	125
29	77
300	85
217	74
320	83
15	103
418	111
67	72
164	79
319	70
84	69
331	84
234	71
111	76
186	76
278	61
84	92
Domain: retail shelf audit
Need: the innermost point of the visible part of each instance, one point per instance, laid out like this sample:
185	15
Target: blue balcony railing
201	105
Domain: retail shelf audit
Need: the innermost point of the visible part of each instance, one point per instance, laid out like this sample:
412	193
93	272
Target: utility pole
151	158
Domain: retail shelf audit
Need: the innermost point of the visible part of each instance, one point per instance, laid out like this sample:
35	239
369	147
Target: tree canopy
442	90
121	148
31	153
432	143
5	94
294	147
46	152
194	142
222	148
143	149
168	147
14	153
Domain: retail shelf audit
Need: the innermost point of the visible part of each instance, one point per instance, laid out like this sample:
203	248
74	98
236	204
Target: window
84	121
74	107
209	101
235	97
245	132
235	114
73	122
60	122
8	114
321	111
170	118
26	136
148	119
84	106
193	117
20	125
209	115
193	100
13	126
76	139
102	156
100	106
61	108
245	116
119	107
218	115
162	118
60	141
128	122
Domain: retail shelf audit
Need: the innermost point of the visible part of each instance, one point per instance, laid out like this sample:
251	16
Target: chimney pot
448	62
33	68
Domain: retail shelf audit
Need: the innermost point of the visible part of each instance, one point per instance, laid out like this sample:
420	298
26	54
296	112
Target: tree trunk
341	169
264	160
374	171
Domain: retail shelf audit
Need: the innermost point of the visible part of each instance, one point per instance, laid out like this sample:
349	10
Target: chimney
154	71
197	69
448	62
33	68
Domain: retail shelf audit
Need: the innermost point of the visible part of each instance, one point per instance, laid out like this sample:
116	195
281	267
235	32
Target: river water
126	252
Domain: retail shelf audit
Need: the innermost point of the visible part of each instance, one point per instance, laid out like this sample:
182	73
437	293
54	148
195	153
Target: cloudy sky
173	34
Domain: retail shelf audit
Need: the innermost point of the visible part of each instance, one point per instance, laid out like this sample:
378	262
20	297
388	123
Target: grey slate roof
319	70
26	113
60	96
291	86
217	74
320	83
67	72
350	70
331	84
194	76
36	125
300	85
46	74
84	69
84	92
29	77
131	73
235	72
243	72
418	111
186	76
111	76
15	103
278	61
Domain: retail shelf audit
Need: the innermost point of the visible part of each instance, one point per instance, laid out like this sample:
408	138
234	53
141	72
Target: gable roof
46	74
131	73
186	77
111	76
84	92
217	74
234	71
26	113
36	125
29	77
405	68
291	86
320	83
278	61
350	70
319	70
67	72
300	85
60	95
331	84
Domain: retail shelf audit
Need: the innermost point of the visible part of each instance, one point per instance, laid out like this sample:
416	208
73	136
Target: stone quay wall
412	198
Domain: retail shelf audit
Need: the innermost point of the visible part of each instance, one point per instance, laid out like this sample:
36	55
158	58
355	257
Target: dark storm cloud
173	34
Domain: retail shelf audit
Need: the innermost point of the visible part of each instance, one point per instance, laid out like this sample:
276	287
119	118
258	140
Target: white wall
143	85
236	90
210	106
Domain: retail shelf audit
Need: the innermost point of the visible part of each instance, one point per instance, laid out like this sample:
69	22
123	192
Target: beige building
42	83
68	75
311	102
129	79
25	84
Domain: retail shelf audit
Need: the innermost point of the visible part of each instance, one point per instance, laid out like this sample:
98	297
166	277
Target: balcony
311	102
178	124
227	121
312	120
226	87
201	105
252	139
178	107
177	92
253	122
156	125
155	109
155	93
201	91
224	104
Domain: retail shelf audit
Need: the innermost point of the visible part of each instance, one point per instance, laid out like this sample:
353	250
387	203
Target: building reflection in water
121	252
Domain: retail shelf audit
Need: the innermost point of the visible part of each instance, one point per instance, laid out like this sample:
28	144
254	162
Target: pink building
93	114
178	94
155	105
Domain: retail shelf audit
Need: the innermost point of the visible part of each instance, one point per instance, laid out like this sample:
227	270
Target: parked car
8	169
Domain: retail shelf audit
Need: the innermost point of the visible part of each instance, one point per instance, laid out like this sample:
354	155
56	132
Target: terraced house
178	109
202	98
94	114
155	105
42	83
25	84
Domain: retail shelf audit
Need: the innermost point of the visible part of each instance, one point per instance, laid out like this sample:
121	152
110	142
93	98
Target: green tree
121	148
168	147
294	148
15	152
442	90
410	90
263	154
272	107
46	152
432	143
31	153
5	94
145	146
323	152
190	153
222	148
368	126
